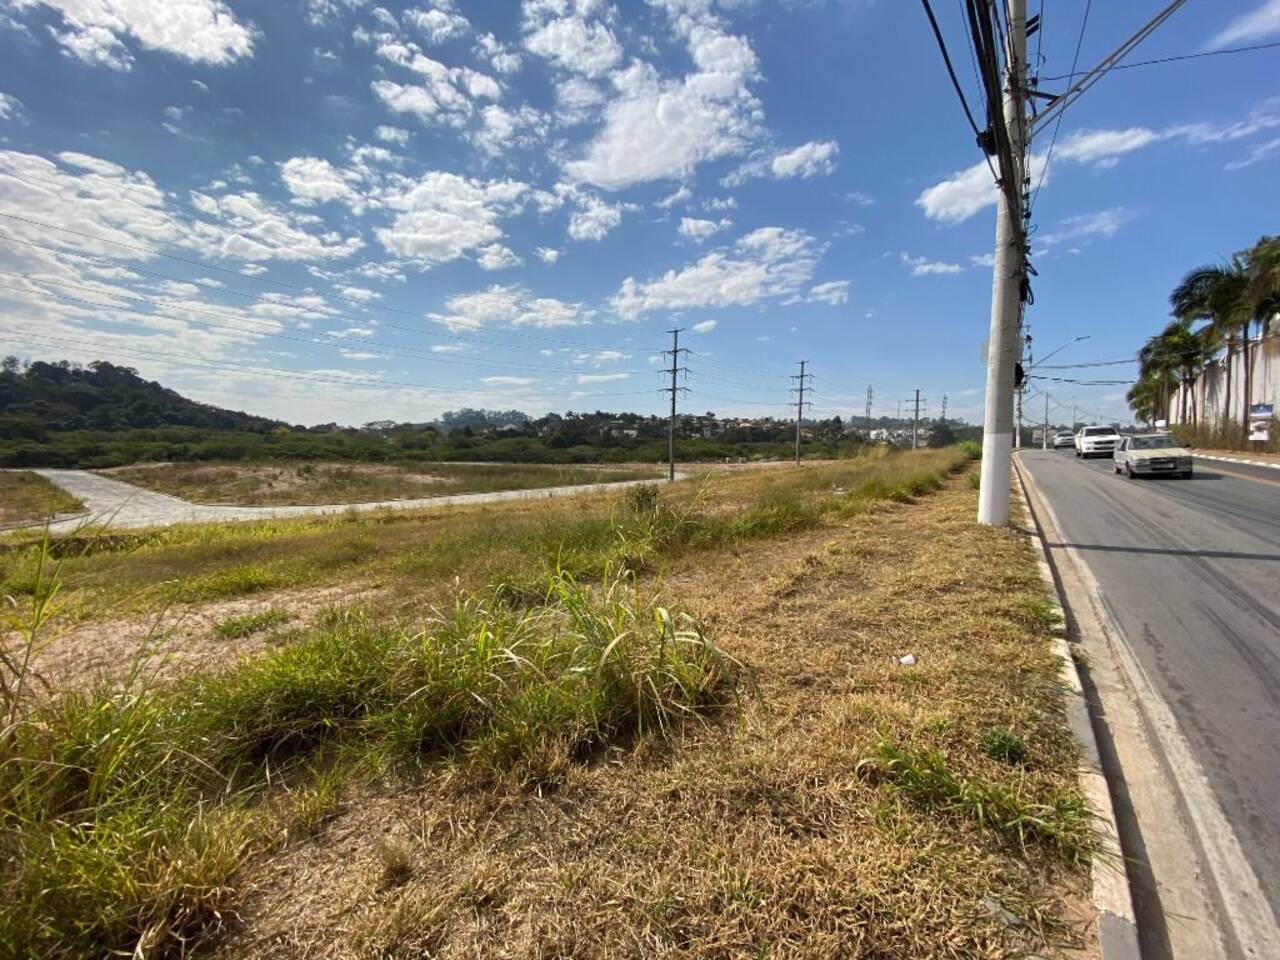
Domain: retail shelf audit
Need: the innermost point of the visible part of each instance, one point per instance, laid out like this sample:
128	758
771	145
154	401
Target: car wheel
1115	468
1128	470
1186	475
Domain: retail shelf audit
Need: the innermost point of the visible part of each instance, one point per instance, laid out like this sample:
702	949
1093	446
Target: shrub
971	448
1003	745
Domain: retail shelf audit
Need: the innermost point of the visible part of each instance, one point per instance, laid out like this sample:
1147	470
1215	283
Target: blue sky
334	210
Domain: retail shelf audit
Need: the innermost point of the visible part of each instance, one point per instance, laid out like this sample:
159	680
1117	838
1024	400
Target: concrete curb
1112	897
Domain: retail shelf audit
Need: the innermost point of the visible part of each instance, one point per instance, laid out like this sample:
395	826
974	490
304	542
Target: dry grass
27	498
280	484
761	833
761	838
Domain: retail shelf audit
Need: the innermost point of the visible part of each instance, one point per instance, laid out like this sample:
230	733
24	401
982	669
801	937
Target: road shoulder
1112	897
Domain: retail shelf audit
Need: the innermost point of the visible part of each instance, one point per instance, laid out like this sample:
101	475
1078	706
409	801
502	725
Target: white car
1096	442
1063	438
1152	455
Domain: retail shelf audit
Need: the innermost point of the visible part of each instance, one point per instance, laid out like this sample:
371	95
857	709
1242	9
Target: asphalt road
1189	571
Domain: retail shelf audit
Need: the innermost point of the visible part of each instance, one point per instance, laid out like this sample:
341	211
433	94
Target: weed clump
246	624
128	812
1060	821
1003	745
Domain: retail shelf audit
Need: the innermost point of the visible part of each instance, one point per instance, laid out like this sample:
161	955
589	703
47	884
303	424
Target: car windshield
1098	431
1152	443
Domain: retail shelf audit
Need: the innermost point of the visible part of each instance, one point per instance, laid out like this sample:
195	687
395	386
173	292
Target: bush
972	449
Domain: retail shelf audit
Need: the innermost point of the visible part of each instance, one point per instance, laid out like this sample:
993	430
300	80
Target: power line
951	72
1185	56
1075	61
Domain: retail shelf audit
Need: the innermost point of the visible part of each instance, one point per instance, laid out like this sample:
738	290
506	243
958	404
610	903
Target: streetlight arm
1069	343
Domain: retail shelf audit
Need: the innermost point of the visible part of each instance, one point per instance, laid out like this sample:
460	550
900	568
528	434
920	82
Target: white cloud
442	216
1257	24
10	106
313	180
397	135
1257	154
508	381
444	94
201	31
548	255
807	160
969	191
572	43
658	128
593	219
502	130
681	195
1104	223
833	293
497	257
577	100
983	260
1104	146
700	230
704	326
439	24
766	263
500	56
511	306
602	377
359	294
923	267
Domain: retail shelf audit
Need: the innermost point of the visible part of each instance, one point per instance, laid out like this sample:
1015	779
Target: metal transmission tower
675	370
915	421
870	395
801	403
944	410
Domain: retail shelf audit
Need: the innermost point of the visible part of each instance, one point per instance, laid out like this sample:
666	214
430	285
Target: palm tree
1160	365
1217	294
1262	295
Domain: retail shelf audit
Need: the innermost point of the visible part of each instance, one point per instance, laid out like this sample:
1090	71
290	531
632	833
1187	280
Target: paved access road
1189	571
120	504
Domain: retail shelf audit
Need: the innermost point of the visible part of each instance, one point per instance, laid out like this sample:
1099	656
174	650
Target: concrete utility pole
1044	438
675	370
915	421
1006	287
800	403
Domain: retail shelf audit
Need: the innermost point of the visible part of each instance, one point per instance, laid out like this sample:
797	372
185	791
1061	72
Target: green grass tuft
1003	745
246	624
1060	821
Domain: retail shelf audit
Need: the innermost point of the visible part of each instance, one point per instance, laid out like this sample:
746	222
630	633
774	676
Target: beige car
1151	455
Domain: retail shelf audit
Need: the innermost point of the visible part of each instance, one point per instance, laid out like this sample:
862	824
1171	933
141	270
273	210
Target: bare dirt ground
759	837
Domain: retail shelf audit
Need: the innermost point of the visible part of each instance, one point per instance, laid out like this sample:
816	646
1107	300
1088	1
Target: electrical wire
951	72
1185	56
1057	125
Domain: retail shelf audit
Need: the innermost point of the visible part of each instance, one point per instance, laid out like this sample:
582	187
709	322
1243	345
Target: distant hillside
62	396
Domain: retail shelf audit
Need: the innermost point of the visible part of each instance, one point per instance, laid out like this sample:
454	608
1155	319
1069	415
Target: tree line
1216	311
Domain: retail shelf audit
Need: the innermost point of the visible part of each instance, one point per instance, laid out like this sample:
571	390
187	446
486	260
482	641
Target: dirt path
118	504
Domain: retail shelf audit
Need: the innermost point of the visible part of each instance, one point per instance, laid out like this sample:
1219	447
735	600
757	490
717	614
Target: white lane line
1252	920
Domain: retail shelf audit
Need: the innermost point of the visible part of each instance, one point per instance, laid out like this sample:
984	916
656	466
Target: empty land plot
27	498
709	750
296	484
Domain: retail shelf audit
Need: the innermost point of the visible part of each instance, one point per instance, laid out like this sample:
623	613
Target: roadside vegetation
276	484
28	498
669	721
1233	303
